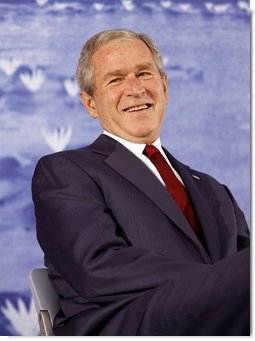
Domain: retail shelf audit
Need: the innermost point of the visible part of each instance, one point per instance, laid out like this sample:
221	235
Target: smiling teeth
145	106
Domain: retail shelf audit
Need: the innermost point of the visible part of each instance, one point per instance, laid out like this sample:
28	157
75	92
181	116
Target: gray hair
85	70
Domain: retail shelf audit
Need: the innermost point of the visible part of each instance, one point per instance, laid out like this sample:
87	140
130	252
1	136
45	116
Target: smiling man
135	242
130	92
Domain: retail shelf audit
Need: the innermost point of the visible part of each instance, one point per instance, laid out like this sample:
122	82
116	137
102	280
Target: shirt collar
135	148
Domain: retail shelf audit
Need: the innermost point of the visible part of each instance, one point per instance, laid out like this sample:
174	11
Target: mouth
138	107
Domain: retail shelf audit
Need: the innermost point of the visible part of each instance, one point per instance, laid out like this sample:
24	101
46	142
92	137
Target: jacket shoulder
67	154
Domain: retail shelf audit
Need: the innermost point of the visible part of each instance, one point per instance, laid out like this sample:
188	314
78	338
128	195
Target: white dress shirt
138	148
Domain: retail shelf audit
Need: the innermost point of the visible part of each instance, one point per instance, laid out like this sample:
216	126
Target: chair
45	299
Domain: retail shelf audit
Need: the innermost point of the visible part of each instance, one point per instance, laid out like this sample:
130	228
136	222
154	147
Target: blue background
206	50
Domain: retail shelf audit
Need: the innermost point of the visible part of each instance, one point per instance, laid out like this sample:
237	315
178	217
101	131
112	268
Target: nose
134	86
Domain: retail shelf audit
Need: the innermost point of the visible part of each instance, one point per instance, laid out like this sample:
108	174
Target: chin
146	135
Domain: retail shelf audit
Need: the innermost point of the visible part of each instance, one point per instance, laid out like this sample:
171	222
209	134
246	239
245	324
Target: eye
145	74
115	80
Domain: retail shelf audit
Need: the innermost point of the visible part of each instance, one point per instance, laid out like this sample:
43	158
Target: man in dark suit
136	242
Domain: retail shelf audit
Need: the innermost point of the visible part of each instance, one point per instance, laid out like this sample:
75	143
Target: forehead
121	54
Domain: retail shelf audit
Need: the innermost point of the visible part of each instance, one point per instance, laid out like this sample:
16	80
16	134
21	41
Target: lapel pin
196	177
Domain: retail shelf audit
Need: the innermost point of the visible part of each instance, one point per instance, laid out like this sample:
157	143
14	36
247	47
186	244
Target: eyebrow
117	72
114	73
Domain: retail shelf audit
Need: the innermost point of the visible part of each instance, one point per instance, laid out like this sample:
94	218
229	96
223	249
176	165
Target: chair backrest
45	299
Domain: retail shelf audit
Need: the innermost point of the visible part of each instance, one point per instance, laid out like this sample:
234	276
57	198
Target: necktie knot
150	150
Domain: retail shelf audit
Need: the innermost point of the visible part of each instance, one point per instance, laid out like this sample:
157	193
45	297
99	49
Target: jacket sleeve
77	232
243	233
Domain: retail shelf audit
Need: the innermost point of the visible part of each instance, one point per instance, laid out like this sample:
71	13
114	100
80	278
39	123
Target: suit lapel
131	168
201	199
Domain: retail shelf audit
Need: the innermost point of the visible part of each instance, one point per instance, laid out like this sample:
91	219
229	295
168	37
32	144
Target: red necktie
173	185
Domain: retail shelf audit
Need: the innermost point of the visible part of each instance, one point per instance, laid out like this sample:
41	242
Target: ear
165	86
89	104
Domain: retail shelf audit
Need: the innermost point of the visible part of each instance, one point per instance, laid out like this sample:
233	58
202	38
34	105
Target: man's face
130	96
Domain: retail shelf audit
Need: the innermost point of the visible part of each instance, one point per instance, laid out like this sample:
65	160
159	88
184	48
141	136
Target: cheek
157	91
163	98
107	106
111	100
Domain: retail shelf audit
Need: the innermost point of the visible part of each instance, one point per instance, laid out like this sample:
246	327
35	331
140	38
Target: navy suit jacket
123	257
